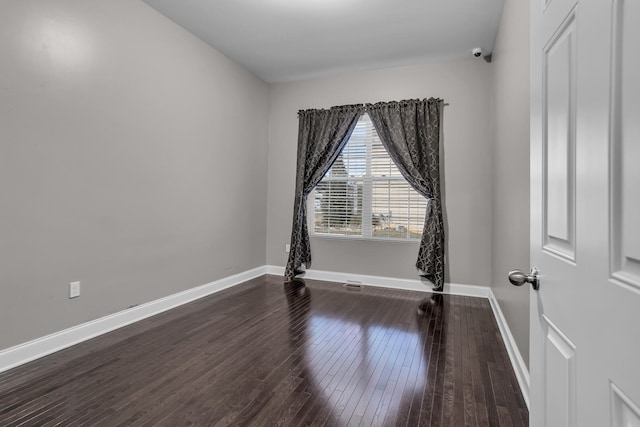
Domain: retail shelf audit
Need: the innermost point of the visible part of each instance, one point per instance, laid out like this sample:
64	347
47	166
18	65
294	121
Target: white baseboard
26	352
388	282
522	373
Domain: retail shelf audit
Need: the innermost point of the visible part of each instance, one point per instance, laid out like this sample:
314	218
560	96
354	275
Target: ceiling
286	40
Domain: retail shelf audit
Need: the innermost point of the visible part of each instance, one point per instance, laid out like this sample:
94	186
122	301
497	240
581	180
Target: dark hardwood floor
264	353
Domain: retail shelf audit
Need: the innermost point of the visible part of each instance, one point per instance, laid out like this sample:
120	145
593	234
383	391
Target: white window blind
365	195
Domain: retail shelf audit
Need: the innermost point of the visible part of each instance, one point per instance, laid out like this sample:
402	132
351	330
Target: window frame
366	228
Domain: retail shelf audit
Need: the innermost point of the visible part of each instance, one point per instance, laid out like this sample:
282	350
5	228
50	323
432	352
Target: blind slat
365	179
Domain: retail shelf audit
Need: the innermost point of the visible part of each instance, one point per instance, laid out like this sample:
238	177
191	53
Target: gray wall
467	87
510	247
132	158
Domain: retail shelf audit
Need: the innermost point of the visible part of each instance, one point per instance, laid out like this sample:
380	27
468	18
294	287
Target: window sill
363	239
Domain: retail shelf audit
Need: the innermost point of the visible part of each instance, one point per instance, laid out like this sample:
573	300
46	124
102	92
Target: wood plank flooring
268	353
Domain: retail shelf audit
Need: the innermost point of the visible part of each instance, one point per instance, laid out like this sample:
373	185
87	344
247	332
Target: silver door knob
519	278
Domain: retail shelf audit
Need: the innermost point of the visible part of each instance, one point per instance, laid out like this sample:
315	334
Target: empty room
319	213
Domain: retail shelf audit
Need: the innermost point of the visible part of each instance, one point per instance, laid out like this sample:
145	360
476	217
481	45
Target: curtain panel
410	131
321	136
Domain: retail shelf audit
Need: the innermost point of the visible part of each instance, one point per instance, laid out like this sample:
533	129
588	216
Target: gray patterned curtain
410	131
321	136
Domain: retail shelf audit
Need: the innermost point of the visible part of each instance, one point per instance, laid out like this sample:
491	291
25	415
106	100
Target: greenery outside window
364	195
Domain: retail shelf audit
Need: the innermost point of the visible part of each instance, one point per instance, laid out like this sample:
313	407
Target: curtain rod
363	106
444	104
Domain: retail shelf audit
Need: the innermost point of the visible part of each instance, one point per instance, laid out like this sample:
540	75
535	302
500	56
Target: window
364	194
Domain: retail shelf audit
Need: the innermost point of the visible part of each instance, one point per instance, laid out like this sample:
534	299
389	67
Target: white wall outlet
287	248
74	289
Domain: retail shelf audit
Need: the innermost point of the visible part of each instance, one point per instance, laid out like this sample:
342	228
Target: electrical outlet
74	289
287	248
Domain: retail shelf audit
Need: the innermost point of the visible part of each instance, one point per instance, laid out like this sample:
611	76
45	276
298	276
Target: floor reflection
431	306
360	366
299	302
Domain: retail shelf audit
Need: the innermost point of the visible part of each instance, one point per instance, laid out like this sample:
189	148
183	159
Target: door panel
624	412
559	81
625	105
560	378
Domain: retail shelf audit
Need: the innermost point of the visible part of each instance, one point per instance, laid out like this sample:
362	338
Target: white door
585	213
